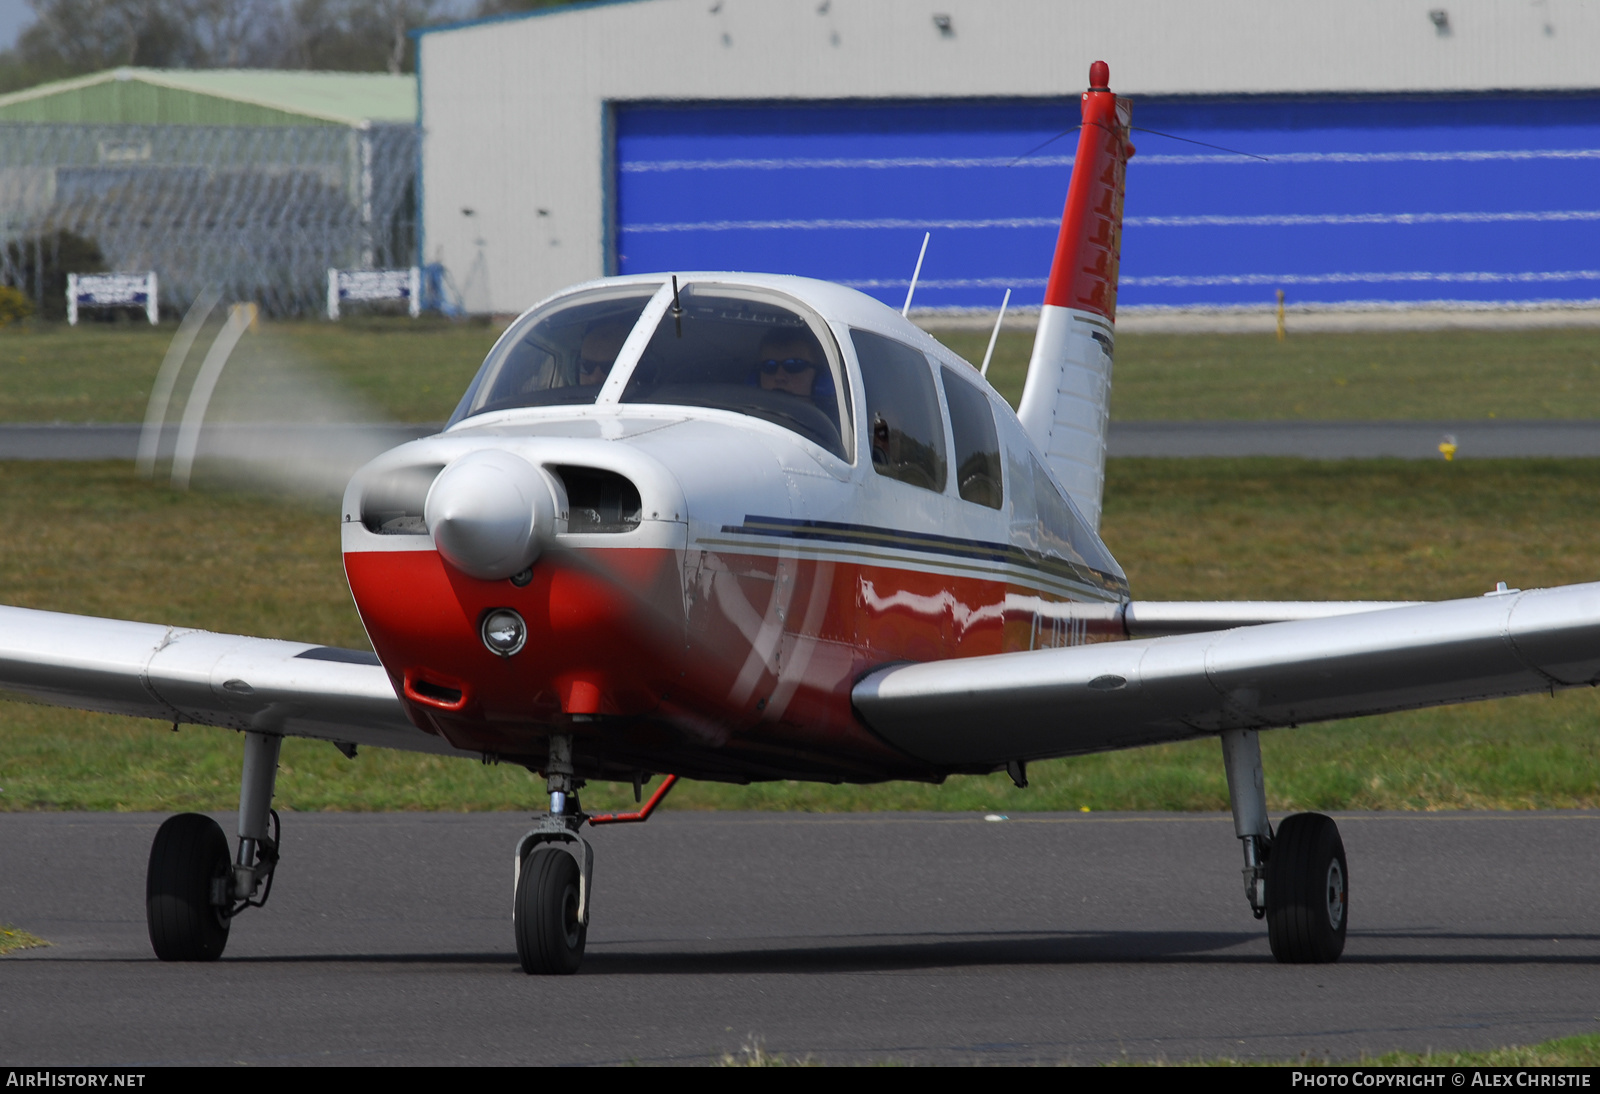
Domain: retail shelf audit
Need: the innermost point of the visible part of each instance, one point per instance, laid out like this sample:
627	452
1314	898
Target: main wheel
550	936
1308	891
189	855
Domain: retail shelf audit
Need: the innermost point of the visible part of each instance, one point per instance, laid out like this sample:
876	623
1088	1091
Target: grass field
400	369
96	540
1392	374
1580	1051
415	371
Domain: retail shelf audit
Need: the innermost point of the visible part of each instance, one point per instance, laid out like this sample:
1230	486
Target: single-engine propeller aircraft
740	527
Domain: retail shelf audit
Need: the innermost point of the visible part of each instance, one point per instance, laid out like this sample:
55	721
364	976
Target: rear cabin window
904	426
1045	523
560	354
750	352
977	443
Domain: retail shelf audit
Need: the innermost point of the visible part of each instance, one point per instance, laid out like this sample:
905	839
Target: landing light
503	632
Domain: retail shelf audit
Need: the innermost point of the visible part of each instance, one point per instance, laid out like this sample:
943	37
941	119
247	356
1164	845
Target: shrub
14	305
54	255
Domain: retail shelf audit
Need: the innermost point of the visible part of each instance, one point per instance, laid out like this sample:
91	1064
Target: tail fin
1066	402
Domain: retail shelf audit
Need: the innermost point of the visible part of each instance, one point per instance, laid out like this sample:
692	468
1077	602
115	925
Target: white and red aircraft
743	527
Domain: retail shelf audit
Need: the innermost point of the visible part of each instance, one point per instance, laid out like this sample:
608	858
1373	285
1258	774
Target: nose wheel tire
1308	891
187	861
550	936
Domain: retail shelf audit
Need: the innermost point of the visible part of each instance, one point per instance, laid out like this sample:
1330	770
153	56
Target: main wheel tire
1308	891
188	854
550	936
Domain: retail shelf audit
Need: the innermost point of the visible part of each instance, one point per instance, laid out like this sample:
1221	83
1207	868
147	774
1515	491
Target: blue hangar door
1369	201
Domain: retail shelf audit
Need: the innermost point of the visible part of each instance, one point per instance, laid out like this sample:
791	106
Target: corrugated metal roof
217	97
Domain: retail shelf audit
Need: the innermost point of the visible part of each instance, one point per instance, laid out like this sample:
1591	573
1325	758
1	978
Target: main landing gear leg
192	889
1297	878
1247	793
554	869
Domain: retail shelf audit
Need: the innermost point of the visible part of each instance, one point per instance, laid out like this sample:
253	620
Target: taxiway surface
849	939
349	446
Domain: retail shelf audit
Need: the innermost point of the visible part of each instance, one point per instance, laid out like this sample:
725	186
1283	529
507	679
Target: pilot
602	341
787	361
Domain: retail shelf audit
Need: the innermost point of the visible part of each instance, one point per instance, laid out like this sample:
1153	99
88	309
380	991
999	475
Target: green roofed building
154	96
251	182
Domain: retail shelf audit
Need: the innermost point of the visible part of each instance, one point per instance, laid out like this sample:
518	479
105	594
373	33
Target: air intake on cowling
599	501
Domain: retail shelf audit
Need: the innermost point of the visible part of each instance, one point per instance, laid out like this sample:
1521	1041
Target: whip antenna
994	335
916	273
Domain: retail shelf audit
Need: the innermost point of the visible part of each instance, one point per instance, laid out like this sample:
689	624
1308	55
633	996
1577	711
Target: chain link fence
260	212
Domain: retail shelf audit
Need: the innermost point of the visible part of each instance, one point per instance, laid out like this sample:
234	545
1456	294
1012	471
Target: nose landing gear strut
554	870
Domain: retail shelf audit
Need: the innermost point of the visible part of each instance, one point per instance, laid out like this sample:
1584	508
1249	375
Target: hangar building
251	181
1409	153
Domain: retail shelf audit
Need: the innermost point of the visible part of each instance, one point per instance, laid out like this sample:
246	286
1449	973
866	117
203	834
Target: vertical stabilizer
1067	400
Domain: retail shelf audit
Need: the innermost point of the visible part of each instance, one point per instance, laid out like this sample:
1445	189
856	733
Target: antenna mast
994	335
916	273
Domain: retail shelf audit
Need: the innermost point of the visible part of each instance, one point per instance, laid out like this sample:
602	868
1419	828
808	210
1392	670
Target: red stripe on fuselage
731	664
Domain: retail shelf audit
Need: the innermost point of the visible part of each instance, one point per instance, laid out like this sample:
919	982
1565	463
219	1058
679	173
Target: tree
509	7
358	35
77	37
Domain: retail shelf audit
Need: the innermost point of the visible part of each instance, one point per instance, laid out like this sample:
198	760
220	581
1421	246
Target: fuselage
775	486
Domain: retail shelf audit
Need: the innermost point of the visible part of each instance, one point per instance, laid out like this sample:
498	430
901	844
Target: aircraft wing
1160	618
151	671
989	710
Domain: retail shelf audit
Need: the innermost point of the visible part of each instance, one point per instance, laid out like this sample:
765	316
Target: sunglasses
792	365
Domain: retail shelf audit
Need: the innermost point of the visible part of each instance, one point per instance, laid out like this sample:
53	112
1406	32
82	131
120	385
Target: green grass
1580	1051
409	370
398	369
98	541
13	939
1425	375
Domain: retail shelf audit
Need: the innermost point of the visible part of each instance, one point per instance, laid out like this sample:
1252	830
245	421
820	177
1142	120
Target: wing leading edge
985	711
1161	618
151	671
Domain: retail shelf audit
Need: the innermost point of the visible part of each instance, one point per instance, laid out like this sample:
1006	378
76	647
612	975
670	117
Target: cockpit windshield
752	352
558	355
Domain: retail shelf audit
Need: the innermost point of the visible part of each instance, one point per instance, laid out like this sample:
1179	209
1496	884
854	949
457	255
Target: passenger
602	341
787	361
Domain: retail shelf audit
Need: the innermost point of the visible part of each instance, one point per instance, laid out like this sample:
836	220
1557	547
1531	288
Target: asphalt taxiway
350	446
848	939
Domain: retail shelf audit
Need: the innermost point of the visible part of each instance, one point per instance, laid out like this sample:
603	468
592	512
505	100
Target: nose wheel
548	916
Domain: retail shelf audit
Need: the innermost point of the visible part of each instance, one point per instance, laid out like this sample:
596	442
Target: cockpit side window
977	443
904	425
752	352
560	354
